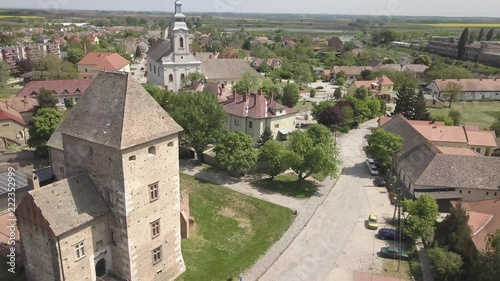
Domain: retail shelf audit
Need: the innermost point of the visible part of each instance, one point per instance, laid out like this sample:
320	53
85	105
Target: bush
415	267
344	129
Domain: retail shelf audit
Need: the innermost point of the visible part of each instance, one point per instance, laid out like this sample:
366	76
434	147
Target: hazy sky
482	8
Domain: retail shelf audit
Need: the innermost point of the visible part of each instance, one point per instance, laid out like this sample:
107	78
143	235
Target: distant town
148	146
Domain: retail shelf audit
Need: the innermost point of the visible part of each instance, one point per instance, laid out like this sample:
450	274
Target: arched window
182	77
181	42
132	158
170	78
152	150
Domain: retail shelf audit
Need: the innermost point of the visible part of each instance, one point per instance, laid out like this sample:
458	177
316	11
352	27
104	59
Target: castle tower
127	144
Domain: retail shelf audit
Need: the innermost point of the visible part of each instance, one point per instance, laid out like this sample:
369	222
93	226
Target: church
170	60
114	213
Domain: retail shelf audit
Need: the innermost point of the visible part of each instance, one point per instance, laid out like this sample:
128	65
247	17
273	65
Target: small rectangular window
153	192
468	192
112	237
487	193
79	250
156	255
250	124
61	169
98	245
5	125
236	122
155	229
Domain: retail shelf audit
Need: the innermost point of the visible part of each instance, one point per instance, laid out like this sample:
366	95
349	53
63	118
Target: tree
4	74
481	35
374	105
382	145
360	108
486	264
312	93
159	94
341	74
361	93
68	103
75	55
191	79
201	116
25	65
421	219
274	155
319	107
365	74
445	71
266	136
455	116
422	59
138	52
306	157
462	42
472	37
52	67
406	101
337	94
348	46
46	99
302	74
236	153
490	34
454	231
291	95
45	122
264	67
421	112
452	92
333	115
444	118
320	134
340	81
446	265
247	45
249	83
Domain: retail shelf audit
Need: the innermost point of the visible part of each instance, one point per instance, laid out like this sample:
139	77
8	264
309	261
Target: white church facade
169	60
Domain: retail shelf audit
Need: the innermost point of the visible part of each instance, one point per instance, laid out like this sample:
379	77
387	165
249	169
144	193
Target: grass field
232	231
288	185
8	92
464	25
390	269
482	114
303	105
21	17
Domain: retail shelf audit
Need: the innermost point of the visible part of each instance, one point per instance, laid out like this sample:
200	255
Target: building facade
471	89
170	60
116	212
448	46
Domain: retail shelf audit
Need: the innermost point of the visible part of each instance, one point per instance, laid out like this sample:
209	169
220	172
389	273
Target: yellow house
252	113
382	87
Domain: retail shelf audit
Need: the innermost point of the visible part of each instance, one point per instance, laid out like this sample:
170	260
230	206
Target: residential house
352	73
335	43
381	87
251	113
273	63
93	39
325	76
13	129
95	62
418	70
472	89
484	220
120	188
26	106
442	169
62	90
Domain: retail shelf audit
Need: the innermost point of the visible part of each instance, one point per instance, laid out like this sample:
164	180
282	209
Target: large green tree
236	153
406	101
486	263
462	42
302	74
446	71
306	157
454	231
490	34
161	95
249	83
319	107
452	92
445	265
291	95
75	55
202	118
4	74
361	93
421	112
382	145
52	67
481	35
191	79
421	219
46	99
274	154
45	122
266	136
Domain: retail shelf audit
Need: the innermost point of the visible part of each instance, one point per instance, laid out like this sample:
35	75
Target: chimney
33	181
245	96
234	95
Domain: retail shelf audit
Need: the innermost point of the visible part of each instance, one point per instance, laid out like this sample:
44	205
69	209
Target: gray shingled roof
116	111
399	125
228	69
69	203
55	140
159	49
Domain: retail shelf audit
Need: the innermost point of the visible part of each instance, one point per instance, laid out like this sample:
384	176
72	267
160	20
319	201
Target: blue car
389	234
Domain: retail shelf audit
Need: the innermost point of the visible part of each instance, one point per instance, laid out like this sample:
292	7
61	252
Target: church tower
170	60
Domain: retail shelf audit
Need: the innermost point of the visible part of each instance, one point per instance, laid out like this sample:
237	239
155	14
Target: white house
473	89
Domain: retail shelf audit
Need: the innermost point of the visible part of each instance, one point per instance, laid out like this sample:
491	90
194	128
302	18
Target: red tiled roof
457	151
104	61
21	104
481	138
484	219
256	106
70	87
9	113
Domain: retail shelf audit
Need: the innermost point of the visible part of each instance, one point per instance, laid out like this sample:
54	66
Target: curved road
335	242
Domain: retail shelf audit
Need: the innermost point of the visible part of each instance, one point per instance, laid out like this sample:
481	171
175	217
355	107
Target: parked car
299	125
379	181
392	252
320	88
389	234
372	221
371	166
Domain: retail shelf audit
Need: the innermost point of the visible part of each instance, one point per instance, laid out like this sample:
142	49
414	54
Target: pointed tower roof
116	111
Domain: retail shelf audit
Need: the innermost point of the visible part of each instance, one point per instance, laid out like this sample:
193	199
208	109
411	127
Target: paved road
335	242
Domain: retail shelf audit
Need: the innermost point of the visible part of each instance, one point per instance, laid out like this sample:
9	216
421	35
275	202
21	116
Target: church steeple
179	16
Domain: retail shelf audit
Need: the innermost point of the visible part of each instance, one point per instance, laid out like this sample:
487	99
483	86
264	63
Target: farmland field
464	25
21	17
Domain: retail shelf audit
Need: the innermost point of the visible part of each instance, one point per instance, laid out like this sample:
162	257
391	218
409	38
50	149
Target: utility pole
399	229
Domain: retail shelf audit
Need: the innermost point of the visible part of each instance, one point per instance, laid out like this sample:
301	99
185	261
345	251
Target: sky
476	8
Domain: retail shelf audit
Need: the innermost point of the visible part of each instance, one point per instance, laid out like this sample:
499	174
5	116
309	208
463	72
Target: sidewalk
305	207
424	263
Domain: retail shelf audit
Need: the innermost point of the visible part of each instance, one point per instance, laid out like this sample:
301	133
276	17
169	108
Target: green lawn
482	114
319	176
288	185
232	231
303	105
390	269
6	275
8	92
